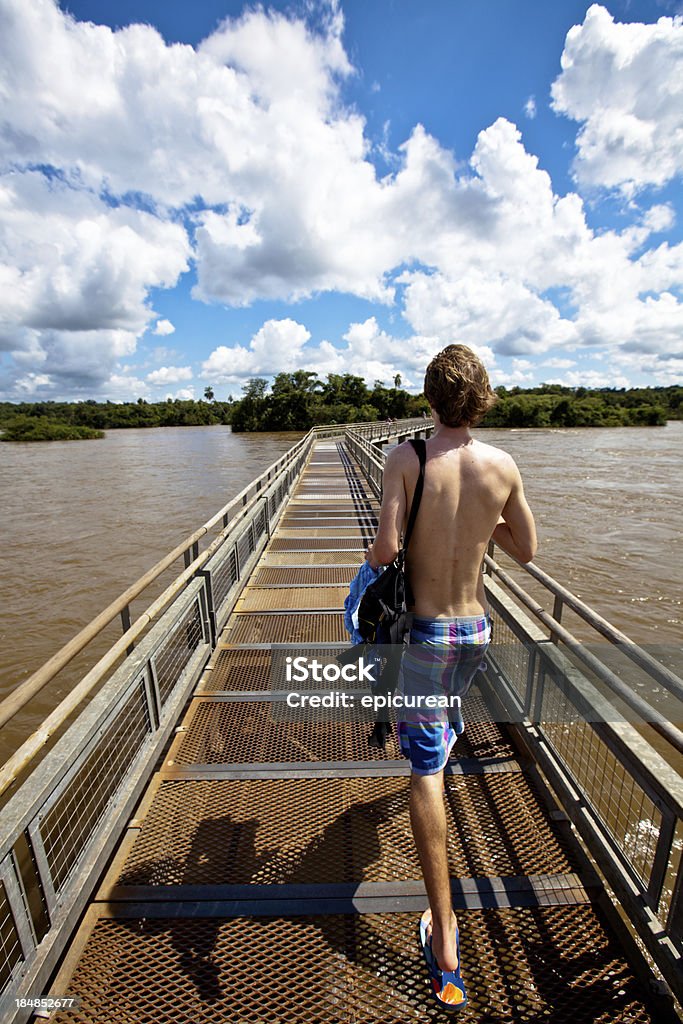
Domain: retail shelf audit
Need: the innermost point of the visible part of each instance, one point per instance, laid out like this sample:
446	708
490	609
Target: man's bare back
472	492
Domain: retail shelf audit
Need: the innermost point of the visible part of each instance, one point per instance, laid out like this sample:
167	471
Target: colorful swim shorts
436	673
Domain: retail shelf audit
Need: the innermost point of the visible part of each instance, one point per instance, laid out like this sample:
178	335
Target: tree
344	388
208	393
397	381
255	387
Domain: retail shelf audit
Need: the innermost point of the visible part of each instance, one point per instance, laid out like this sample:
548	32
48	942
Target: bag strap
420	447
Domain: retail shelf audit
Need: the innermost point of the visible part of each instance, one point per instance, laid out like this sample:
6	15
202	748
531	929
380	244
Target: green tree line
62	421
300	400
553	405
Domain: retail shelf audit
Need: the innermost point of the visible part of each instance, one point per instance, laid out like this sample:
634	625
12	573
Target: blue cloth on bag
363	578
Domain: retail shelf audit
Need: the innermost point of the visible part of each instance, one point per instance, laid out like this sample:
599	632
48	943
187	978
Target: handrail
25	753
654	719
370	455
642	658
71	810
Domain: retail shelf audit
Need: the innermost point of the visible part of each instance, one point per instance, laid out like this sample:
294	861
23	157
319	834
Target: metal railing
58	830
586	728
60	827
624	797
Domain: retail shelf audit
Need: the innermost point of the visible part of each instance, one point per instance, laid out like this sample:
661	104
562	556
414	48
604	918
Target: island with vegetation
300	400
67	421
24	427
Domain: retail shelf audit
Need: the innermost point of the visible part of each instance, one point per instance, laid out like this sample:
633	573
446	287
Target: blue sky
195	194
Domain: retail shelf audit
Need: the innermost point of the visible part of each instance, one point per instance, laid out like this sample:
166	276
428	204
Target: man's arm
392	513
516	530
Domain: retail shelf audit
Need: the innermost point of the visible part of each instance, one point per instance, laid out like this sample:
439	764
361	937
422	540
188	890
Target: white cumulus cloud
276	347
624	84
169	375
75	275
164	327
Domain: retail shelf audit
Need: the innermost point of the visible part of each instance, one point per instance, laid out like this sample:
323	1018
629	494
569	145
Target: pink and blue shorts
436	672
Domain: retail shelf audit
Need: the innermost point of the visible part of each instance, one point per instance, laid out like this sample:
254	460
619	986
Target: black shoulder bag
383	616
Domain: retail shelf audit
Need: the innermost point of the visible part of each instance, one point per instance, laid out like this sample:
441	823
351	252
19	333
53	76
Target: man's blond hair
457	386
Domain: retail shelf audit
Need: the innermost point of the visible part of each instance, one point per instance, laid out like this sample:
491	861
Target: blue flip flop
448	987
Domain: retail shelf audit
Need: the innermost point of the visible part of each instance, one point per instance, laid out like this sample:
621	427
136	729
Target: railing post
530	672
660	862
125	618
125	623
674	924
8	876
44	873
558	605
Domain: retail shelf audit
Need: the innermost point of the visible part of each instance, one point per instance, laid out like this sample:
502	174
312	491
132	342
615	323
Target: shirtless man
472	493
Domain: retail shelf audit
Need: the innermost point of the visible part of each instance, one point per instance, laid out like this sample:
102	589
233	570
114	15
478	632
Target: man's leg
428	820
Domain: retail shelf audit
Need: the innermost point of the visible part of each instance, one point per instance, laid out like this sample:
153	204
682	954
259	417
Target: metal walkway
269	873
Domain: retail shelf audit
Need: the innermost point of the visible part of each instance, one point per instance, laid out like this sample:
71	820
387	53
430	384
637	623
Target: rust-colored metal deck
270	873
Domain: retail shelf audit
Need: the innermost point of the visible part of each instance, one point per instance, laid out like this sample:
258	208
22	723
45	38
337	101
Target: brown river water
83	520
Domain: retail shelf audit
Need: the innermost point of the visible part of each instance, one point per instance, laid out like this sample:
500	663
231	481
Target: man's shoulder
402	455
495	457
492	452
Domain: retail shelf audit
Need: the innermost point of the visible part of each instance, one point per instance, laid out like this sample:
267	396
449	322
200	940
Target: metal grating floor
318	544
246	831
523	965
316	576
304	532
250	733
329	504
298	514
301	558
292	598
250	670
273	628
253	732
271	874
